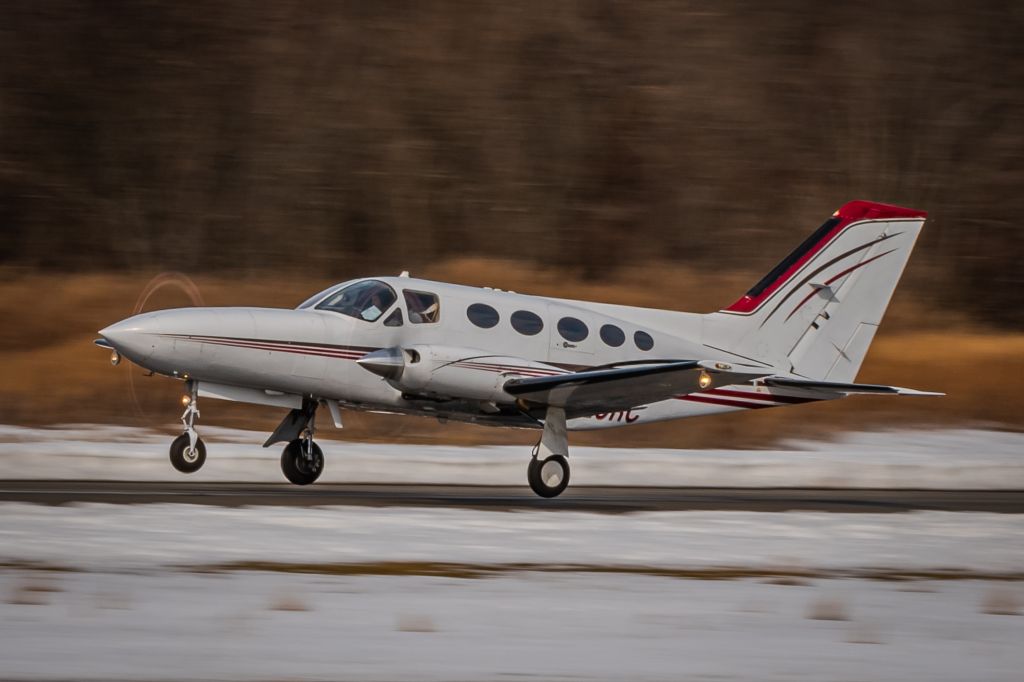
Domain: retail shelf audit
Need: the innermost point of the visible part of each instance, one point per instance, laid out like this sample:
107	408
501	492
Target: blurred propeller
174	280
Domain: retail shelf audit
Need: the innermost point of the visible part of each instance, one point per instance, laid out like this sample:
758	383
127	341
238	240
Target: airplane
486	356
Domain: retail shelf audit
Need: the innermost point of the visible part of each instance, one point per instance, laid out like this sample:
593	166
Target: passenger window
572	329
643	341
527	323
482	315
612	335
366	300
394	319
424	308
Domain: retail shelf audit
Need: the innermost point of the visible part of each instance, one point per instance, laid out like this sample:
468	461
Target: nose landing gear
188	452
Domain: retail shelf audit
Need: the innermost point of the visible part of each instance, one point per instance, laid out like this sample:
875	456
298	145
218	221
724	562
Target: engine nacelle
452	372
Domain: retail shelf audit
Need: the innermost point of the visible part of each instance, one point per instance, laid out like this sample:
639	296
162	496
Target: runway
581	498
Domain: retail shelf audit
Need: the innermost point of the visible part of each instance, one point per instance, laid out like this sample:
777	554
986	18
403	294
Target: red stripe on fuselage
279	346
294	349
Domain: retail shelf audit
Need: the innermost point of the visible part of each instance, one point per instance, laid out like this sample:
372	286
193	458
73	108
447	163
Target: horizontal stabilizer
621	388
850	389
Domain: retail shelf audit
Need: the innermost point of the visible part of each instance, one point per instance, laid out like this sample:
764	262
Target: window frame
409	313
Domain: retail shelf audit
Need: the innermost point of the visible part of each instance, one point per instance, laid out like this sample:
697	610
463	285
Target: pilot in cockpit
423	307
373	308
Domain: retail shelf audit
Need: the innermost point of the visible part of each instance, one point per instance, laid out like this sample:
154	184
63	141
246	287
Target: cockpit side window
424	307
366	300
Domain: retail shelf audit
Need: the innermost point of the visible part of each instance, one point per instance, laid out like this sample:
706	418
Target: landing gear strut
188	452
548	472
302	460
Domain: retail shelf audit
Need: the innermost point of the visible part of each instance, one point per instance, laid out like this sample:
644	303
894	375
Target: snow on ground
951	459
266	626
139	603
155	537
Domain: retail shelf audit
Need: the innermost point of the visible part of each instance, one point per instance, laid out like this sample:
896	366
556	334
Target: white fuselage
278	356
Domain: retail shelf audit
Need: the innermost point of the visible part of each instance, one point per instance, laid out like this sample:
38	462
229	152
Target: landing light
185	400
115	358
704	380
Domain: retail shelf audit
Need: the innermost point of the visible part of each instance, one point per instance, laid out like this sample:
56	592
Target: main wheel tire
298	468
548	477
186	459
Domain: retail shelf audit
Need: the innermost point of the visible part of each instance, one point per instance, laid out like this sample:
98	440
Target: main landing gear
188	453
302	460
548	472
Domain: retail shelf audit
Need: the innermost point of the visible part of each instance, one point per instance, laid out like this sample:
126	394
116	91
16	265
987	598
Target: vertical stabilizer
816	312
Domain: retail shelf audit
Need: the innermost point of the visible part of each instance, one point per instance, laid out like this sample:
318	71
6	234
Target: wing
849	389
623	387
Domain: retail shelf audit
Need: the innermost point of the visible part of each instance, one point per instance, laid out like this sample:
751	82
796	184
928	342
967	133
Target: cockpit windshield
319	296
366	300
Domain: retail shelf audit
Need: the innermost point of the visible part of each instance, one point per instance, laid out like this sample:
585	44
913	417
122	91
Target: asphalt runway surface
501	498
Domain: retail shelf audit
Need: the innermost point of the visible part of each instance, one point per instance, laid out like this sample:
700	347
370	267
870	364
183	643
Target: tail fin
817	311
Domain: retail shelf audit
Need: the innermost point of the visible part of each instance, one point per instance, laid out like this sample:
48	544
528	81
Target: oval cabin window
643	341
525	322
612	335
572	329
482	315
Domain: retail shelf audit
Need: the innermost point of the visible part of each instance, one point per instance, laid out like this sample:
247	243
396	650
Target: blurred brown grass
54	375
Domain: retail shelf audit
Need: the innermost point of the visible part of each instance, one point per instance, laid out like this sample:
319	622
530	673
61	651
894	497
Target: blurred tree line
342	138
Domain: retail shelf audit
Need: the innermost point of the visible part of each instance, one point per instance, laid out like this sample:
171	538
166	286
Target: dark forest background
336	139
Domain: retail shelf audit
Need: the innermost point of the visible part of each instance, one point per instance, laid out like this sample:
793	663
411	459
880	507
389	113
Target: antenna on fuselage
404	273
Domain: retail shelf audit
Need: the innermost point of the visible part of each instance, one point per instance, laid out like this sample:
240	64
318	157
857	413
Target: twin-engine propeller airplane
411	346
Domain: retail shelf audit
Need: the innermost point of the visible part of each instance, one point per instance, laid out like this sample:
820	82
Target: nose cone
132	337
386	362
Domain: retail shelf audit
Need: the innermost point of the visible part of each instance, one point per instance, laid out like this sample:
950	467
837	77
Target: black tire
183	458
298	468
548	477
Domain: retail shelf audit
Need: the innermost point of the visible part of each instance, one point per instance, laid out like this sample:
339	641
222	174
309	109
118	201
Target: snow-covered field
537	626
155	592
158	537
951	459
167	591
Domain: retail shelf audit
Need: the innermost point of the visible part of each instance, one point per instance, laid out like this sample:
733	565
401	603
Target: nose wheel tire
548	477
300	467
185	458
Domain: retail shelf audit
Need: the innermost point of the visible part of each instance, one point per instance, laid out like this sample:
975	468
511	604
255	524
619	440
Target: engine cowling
452	372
